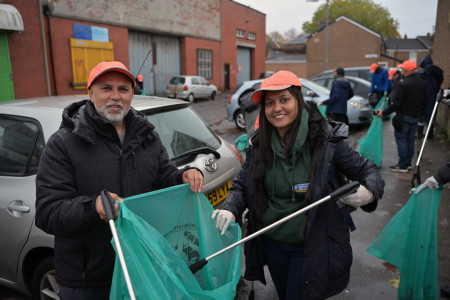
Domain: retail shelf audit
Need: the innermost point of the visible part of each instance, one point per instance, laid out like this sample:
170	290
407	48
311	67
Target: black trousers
91	293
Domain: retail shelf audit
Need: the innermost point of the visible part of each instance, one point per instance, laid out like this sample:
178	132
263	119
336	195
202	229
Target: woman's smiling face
281	109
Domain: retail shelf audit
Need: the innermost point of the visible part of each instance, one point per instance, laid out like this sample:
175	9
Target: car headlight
357	105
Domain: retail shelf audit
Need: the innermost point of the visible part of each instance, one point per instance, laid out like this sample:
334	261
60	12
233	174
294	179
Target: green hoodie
279	182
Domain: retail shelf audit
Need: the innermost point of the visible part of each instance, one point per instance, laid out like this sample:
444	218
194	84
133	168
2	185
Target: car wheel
43	281
213	95
239	120
191	98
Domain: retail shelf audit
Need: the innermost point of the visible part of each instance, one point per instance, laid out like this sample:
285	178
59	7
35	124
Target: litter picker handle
108	206
340	192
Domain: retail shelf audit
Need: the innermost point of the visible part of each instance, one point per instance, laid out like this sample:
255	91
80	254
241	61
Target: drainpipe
48	8
44	48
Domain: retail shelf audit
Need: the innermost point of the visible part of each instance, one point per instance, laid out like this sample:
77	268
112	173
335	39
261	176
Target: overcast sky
416	17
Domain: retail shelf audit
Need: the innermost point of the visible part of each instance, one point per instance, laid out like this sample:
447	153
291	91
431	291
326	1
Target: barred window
240	33
204	63
252	36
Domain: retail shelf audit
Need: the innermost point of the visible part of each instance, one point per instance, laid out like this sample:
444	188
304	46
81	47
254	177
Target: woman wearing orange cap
296	158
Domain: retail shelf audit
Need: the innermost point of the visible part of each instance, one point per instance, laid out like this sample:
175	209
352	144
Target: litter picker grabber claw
340	192
108	206
415	178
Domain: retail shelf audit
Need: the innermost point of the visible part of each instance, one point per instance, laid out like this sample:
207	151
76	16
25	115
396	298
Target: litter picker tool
415	178
144	62
108	206
340	192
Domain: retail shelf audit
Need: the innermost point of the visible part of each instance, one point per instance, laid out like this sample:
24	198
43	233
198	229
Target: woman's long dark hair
263	154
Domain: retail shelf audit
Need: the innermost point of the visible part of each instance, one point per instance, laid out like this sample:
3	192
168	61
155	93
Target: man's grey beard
111	117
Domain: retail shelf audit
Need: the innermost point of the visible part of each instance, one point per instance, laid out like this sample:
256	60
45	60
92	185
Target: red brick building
62	40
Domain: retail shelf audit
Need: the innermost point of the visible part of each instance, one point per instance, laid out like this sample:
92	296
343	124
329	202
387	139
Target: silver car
359	110
190	88
26	263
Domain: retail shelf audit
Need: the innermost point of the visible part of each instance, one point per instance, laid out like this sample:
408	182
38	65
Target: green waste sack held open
323	110
242	142
409	241
371	146
163	232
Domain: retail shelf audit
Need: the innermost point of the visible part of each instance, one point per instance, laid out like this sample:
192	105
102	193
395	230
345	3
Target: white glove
361	197
224	218
244	215
430	183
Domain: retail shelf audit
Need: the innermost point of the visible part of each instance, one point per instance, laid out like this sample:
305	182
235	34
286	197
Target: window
240	33
252	36
204	63
21	145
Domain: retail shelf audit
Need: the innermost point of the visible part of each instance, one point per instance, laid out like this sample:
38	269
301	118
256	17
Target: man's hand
194	178
101	210
361	197
379	113
224	218
430	183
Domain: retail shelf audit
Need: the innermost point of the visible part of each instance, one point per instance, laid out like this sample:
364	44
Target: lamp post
326	32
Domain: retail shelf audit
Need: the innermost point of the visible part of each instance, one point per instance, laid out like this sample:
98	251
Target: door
227	77
6	82
244	65
21	145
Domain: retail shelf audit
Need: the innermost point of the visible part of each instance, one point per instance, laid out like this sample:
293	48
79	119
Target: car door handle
18	206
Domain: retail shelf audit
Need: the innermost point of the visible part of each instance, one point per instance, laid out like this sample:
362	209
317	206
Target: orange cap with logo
373	68
279	81
109	66
408	65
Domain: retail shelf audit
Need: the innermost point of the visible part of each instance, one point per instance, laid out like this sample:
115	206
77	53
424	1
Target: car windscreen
182	130
314	86
178	80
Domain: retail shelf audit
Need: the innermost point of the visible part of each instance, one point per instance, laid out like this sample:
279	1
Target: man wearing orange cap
379	83
408	102
102	144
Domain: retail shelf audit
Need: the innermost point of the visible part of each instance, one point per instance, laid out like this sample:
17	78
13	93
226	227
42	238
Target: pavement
373	278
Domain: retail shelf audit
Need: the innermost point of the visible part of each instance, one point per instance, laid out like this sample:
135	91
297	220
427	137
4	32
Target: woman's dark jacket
327	251
434	77
82	158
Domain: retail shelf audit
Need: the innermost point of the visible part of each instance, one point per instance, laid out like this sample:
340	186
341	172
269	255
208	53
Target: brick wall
362	43
189	48
299	69
441	58
238	16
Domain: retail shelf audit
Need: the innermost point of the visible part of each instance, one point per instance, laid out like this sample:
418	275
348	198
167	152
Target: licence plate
217	196
175	90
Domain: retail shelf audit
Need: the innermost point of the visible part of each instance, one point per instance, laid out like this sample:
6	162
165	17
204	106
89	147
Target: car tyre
239	120
213	95
43	281
190	98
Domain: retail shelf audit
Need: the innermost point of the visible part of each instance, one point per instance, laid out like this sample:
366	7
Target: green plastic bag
323	110
409	241
371	146
242	142
163	232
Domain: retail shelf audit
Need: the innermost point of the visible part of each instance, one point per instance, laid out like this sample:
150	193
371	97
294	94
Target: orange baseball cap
279	81
408	65
373	68
392	72
109	66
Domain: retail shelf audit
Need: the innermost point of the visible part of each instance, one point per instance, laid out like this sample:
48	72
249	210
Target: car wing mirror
311	94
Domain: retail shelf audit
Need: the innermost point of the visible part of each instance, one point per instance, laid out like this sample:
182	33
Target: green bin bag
371	146
409	241
242	142
163	232
323	111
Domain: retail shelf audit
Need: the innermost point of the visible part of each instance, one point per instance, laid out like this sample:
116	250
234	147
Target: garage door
244	64
6	83
162	63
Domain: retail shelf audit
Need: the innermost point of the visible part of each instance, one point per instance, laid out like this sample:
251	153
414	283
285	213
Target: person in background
408	102
379	83
103	143
139	89
442	176
394	79
341	92
434	77
296	158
